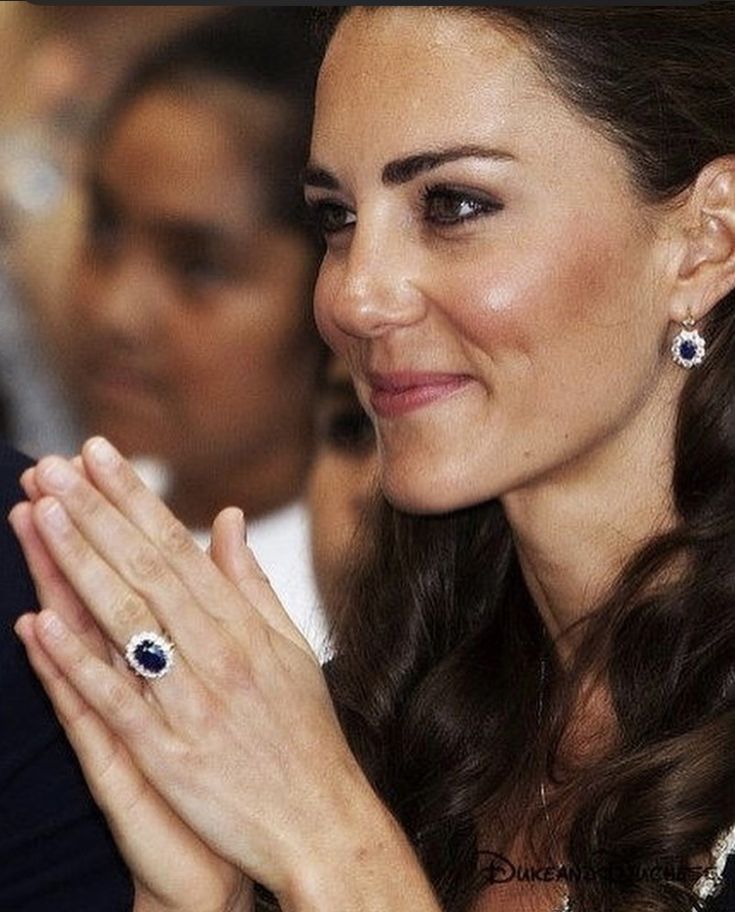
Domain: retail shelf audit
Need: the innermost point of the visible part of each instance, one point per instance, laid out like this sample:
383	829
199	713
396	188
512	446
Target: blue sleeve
56	853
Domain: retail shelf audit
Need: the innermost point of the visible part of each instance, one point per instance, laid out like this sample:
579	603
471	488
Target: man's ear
706	268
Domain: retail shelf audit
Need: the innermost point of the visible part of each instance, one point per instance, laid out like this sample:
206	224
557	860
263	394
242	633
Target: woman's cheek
496	312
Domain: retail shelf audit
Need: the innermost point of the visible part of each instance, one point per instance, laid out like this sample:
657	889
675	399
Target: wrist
365	864
242	901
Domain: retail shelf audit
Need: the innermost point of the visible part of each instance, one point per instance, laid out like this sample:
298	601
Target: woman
188	338
529	272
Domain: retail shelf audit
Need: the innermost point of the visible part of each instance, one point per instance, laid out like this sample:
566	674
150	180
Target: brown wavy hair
438	643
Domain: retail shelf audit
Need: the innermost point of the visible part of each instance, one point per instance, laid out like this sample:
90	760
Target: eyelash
481	204
319	211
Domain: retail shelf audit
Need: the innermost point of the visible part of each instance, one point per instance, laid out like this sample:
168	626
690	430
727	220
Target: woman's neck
574	532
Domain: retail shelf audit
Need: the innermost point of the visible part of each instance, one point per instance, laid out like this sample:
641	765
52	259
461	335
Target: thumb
228	542
230	552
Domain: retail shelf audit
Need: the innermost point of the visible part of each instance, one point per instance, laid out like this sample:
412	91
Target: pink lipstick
398	393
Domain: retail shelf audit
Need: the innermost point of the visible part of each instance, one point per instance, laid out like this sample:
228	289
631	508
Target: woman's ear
706	269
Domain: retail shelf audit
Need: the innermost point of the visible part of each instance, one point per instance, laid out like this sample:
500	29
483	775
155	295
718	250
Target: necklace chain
542	784
565	905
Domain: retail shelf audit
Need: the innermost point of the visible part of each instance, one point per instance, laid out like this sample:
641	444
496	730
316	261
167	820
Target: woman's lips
397	394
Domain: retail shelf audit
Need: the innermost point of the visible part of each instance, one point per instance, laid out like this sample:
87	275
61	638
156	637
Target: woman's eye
330	217
103	229
198	265
449	206
201	270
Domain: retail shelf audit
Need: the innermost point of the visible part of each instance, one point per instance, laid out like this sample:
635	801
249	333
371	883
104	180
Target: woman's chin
426	496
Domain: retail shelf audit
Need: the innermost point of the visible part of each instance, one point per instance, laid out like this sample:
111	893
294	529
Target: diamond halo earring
688	348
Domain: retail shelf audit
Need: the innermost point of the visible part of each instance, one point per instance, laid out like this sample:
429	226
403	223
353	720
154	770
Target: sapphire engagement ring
149	654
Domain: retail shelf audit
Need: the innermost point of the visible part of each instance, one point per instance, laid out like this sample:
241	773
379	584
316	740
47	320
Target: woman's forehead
403	81
402	48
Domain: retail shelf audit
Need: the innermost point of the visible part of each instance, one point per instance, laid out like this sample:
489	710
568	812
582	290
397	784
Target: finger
136	813
121	576
29	484
128	525
51	587
120	611
78	720
115	478
103	689
234	558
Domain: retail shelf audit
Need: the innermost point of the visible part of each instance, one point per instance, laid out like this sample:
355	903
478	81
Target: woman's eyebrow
314	176
402	170
188	232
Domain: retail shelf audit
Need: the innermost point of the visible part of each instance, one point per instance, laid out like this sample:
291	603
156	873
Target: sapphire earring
688	348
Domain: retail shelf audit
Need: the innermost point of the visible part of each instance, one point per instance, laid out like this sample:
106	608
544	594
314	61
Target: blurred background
157	269
60	66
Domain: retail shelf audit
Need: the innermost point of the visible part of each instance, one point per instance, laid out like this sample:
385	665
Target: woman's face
491	278
188	334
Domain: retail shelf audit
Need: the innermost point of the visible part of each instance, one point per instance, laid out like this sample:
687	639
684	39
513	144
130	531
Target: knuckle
230	669
75	718
89	503
179	760
107	766
147	565
202	711
70	545
117	698
128	483
129	612
79	670
175	538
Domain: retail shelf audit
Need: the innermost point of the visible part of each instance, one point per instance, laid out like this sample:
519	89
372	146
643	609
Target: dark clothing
56	853
725	901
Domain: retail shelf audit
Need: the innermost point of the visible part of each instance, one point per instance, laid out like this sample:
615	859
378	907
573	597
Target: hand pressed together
232	766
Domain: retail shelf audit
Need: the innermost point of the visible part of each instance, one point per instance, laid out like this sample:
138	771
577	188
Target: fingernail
54	515
55	473
101	451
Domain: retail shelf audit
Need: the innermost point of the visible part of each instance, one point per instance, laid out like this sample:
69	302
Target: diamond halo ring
149	654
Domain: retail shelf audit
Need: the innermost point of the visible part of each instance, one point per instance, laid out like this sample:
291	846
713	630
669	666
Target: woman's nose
372	290
125	294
